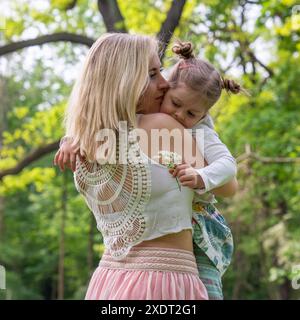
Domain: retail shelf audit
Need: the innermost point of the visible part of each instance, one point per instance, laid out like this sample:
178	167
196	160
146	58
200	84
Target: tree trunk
60	287
285	290
112	16
2	205
169	25
3	127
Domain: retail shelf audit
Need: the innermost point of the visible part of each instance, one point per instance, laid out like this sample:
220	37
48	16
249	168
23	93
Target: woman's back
136	202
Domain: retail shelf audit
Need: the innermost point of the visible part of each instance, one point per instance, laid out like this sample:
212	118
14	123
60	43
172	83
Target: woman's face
152	98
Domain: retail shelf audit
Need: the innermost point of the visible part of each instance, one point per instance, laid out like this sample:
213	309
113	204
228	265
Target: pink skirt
147	273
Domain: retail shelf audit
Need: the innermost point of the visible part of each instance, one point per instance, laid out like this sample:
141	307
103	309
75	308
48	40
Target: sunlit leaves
138	11
37	177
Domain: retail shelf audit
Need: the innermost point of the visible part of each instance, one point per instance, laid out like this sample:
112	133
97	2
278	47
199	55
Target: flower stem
179	186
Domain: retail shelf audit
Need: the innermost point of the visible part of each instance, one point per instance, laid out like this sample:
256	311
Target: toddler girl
195	86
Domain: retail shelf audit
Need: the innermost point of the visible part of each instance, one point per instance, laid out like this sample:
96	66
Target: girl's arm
221	168
227	190
66	155
219	174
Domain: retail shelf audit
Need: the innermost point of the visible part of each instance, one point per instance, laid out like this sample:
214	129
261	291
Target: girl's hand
66	155
187	176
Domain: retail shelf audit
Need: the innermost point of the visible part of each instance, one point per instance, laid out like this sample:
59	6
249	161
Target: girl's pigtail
232	86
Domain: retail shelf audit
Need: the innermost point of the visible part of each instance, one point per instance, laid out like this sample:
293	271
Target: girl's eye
191	114
175	104
161	69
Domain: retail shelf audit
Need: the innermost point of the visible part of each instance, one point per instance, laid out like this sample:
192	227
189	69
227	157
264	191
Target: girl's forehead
185	92
187	96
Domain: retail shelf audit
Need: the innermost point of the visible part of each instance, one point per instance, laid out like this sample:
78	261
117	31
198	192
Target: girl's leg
209	275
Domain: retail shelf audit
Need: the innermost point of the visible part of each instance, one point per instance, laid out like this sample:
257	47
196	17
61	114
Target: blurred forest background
49	244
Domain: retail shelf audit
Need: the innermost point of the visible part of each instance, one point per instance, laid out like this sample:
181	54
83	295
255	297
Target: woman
144	218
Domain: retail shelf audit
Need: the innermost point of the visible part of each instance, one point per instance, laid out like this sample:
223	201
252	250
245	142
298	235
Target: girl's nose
179	115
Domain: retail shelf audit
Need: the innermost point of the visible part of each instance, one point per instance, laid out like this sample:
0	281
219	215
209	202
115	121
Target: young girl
195	86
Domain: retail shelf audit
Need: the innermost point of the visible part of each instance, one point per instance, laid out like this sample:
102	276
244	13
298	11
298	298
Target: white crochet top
133	202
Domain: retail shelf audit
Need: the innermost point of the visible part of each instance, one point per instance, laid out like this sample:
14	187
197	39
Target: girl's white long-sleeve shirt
221	166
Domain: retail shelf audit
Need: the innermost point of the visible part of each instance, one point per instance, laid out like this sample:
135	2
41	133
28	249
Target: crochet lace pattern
117	194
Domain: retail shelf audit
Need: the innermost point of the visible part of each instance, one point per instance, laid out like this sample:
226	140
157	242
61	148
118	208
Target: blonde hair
199	75
115	75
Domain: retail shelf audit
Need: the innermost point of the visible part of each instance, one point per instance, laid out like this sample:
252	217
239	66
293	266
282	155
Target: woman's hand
187	176
66	155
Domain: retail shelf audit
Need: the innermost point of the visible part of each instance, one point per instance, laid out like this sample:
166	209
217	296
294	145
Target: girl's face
184	105
152	98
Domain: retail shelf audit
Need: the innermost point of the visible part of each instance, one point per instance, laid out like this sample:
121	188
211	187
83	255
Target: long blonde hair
111	83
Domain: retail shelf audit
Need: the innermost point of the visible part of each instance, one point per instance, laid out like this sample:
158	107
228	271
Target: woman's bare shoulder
158	121
185	145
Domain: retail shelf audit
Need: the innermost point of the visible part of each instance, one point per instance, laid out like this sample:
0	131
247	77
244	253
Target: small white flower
170	160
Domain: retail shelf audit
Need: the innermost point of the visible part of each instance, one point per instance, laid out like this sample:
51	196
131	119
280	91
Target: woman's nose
163	84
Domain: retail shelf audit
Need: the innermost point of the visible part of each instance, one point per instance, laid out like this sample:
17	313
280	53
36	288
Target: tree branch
254	2
255	59
33	156
252	155
112	16
71	5
60	36
169	25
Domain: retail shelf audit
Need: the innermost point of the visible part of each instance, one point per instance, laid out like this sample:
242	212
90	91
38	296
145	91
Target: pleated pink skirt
147	273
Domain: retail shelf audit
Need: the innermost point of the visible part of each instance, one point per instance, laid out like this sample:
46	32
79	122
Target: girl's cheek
167	106
166	110
162	107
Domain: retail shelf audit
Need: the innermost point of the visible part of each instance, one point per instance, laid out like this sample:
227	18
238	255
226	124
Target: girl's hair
115	75
199	75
